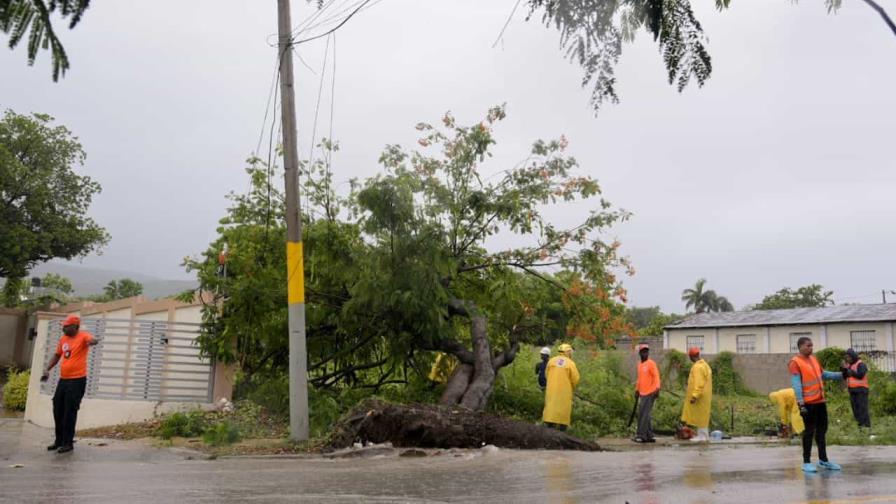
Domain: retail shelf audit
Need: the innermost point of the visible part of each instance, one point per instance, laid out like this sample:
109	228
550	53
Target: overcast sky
779	172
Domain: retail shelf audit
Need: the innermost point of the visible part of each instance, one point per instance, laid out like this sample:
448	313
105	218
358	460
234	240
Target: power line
267	108
333	17
304	24
309	39
329	159
506	23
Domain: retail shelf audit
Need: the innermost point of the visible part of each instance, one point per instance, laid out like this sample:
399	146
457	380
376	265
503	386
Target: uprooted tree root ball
431	426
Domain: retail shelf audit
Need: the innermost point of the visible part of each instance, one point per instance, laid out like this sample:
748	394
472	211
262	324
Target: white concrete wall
836	335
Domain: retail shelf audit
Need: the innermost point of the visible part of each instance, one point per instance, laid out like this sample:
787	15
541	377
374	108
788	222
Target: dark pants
858	398
66	402
557	426
816	420
645	419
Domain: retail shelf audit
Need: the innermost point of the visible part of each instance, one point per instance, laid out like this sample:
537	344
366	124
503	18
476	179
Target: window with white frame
746	343
695	341
862	341
794	337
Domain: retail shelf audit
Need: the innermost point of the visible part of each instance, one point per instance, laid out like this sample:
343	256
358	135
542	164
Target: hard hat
565	348
546	351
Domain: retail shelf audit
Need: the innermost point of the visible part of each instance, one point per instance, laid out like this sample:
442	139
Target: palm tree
703	300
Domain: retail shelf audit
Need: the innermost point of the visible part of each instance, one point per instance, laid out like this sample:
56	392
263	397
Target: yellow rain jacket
699	387
442	368
563	376
788	409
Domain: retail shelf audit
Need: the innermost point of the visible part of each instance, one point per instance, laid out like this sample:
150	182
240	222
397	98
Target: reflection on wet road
129	472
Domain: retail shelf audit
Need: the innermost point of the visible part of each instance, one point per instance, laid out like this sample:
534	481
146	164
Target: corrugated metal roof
829	314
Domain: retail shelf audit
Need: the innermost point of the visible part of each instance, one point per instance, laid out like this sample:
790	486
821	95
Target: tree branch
512	264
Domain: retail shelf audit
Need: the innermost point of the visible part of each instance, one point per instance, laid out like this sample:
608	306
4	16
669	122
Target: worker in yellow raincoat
442	368
563	376
789	411
698	401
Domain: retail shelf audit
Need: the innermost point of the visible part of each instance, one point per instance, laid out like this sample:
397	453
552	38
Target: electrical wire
335	18
340	25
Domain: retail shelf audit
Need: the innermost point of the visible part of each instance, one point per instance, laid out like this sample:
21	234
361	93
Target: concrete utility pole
298	360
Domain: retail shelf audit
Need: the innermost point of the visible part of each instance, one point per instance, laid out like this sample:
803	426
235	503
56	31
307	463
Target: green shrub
725	379
884	400
676	368
191	424
222	433
15	392
830	358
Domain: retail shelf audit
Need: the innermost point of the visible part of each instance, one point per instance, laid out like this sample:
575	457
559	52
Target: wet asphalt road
128	472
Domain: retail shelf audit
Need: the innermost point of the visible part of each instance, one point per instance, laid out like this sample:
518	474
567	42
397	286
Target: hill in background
90	281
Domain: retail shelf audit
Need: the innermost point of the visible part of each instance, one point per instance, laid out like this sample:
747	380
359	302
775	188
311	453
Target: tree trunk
430	426
457	385
473	380
480	389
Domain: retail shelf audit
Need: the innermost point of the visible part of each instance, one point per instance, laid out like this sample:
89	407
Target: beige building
866	328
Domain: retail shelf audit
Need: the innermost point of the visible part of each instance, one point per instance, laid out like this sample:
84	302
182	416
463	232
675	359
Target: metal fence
141	360
884	361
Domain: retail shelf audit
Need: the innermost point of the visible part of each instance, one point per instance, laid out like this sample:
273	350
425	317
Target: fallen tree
432	426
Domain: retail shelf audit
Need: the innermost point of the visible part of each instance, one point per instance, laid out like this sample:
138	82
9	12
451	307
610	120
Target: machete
631	417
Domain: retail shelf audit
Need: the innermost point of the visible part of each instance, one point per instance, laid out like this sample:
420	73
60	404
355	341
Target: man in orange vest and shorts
72	350
807	378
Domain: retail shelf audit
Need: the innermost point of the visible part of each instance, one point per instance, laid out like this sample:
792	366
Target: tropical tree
705	300
43	202
430	218
121	289
402	267
810	296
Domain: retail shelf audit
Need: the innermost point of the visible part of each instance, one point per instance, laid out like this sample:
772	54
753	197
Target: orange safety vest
811	376
855	382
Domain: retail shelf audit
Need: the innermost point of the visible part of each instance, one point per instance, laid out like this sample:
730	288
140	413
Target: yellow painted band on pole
295	267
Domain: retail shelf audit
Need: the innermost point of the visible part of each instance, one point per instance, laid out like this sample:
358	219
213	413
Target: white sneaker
699	438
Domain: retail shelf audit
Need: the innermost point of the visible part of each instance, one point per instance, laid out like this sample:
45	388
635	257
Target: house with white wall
866	328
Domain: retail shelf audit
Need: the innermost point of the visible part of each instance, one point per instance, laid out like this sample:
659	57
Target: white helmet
546	351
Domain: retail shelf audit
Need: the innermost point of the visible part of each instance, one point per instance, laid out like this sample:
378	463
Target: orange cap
71	320
643	346
693	351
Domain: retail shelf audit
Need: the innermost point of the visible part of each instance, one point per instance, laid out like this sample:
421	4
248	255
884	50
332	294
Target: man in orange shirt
647	389
72	349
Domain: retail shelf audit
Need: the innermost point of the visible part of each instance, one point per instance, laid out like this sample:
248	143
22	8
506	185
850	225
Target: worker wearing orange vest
807	378
647	390
856	374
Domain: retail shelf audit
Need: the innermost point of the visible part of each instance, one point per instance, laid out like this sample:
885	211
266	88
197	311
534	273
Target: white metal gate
141	360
